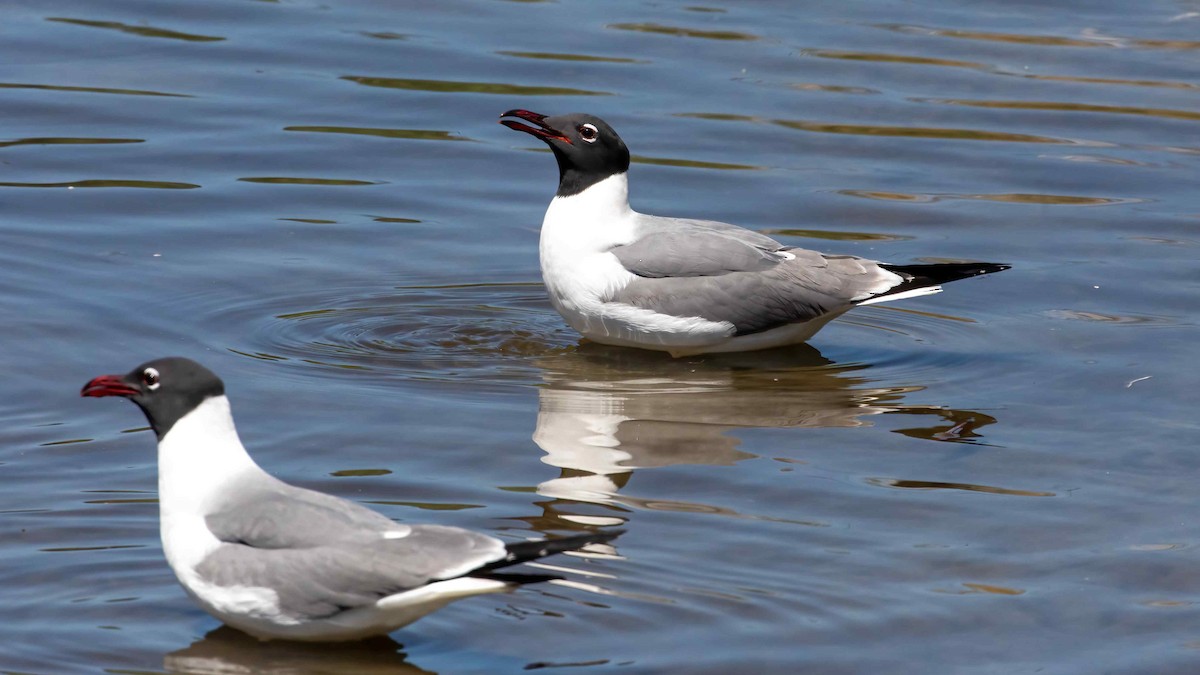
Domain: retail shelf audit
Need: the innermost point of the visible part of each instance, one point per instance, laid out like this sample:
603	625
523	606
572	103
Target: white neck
605	200
593	220
198	455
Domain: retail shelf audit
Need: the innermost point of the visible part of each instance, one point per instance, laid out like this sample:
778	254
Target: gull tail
926	279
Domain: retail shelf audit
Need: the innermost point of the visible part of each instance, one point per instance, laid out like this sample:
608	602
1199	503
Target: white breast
581	273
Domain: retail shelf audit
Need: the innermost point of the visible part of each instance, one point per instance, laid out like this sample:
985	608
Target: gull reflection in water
604	412
225	651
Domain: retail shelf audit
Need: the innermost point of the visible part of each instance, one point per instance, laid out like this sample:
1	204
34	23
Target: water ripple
107	183
940	485
570	57
288	180
833	235
1014	38
1089	39
1105	317
693	164
679	31
455	87
143	31
891	58
91	90
408	134
1010	198
384	35
1068	107
908	59
488	331
50	140
918	325
887	130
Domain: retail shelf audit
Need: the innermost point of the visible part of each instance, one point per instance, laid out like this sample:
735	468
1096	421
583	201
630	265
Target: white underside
914	293
385	616
791	334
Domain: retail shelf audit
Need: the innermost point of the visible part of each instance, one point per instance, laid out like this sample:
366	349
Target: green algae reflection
451	87
410	134
143	31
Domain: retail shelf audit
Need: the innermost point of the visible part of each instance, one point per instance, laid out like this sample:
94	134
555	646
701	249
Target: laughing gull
685	286
278	561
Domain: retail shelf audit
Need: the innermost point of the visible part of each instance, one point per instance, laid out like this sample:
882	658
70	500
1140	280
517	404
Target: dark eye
588	133
150	378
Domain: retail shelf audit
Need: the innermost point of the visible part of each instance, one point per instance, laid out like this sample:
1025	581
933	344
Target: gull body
282	562
687	286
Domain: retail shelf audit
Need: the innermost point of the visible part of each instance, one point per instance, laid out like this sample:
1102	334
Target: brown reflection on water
915	132
940	485
49	140
288	180
693	164
91	90
408	134
1064	106
550	56
892	58
680	31
457	87
1015	38
909	59
142	31
384	35
108	183
834	235
833	88
1109	80
883	130
1011	198
1089	40
990	589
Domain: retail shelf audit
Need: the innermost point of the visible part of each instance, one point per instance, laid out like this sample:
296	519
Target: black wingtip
924	276
515	578
944	273
524	551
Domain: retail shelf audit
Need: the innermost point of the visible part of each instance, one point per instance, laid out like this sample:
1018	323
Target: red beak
543	131
108	385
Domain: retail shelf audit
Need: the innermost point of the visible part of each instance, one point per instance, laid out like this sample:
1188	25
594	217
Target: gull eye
588	133
150	378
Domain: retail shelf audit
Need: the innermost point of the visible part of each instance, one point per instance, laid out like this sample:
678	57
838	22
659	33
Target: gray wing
322	555
264	512
667	247
799	289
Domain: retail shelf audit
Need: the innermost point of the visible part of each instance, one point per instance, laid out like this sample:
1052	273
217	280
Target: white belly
578	285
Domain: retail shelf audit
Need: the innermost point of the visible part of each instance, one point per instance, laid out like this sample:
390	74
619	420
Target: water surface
315	200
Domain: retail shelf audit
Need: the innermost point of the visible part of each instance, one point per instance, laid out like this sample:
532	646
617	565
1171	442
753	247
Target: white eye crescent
588	133
150	378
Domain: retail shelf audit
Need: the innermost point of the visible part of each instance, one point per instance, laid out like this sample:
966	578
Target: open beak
542	130
108	385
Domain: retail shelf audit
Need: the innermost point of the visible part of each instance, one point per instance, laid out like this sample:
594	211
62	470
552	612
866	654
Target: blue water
315	201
